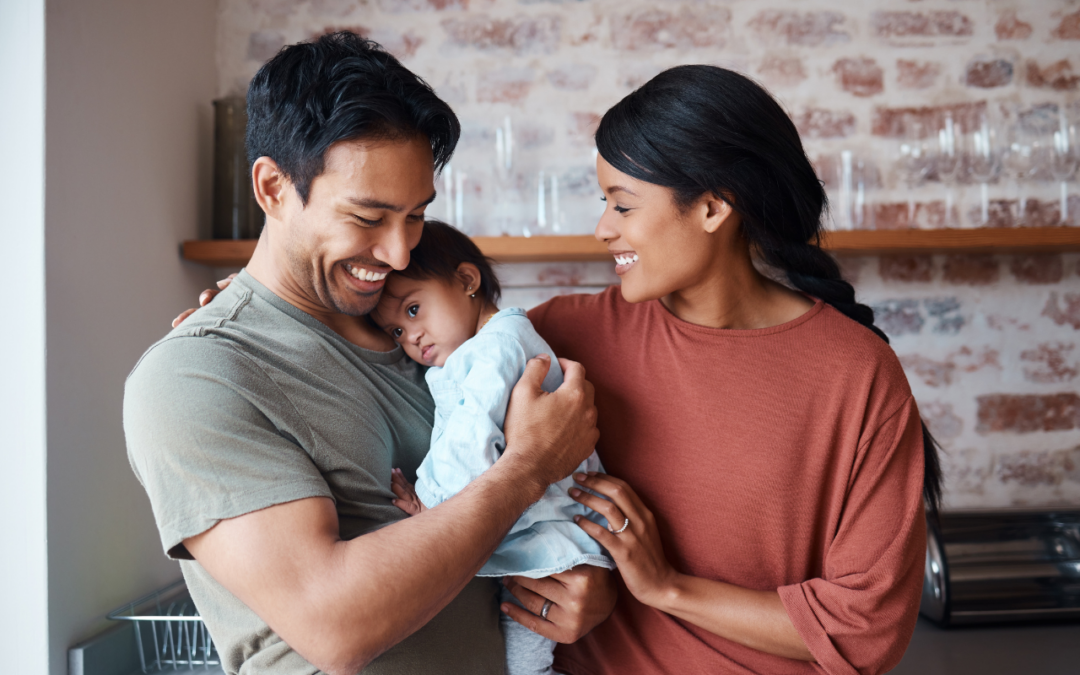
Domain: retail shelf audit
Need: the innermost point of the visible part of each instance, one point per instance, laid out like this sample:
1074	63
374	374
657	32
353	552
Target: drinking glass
1020	163
853	183
1063	160
947	164
916	159
982	157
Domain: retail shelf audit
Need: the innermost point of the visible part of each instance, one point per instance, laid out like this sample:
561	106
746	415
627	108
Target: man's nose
394	246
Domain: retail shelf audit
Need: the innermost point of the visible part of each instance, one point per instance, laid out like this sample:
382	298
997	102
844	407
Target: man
265	428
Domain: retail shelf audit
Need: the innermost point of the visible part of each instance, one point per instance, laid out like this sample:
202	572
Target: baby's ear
469	275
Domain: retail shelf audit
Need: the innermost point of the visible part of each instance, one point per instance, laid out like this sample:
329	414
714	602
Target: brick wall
989	342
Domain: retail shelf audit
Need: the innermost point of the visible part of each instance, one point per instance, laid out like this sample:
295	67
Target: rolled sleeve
860	615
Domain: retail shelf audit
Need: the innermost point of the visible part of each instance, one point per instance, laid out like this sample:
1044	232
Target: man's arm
342	603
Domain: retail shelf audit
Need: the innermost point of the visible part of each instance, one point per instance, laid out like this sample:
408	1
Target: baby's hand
406	500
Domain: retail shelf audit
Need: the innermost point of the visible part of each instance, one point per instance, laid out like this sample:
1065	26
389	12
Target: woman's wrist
667	594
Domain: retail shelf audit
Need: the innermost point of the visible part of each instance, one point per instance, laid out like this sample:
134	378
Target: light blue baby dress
471	392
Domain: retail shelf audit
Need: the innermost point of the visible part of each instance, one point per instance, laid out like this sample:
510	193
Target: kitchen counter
1015	649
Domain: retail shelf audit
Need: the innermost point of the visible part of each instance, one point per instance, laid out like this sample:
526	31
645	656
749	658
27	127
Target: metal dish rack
169	632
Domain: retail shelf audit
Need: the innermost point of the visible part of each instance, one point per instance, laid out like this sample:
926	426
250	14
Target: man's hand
581	599
550	434
204	298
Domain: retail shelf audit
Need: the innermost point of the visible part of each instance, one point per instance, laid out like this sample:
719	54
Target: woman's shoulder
577	310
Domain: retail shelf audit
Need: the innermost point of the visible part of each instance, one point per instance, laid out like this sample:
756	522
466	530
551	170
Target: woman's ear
717	212
469	275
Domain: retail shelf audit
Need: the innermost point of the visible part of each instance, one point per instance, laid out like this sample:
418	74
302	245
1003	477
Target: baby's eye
396	333
412	311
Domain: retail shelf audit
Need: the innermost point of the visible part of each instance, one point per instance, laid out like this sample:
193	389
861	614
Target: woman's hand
637	549
407	500
581	598
204	297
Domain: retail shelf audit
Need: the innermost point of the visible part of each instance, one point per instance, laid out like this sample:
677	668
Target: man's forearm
373	591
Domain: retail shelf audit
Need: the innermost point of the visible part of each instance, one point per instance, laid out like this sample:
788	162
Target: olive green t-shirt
251	403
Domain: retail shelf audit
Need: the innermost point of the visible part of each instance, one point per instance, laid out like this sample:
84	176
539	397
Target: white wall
23	590
129	131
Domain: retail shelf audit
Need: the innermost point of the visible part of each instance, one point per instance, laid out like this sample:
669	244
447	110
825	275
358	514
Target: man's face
364	214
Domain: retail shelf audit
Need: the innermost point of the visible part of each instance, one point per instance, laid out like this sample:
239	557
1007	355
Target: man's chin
356	304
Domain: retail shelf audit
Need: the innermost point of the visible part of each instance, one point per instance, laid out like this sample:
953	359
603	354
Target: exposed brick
520	35
572	77
1034	468
1057	75
932	373
943	422
530	135
505	85
399	6
1038	268
401	45
1069	27
1027	413
661	29
898	317
807	29
822	123
1069	314
583	124
999	213
906	268
262	45
861	76
948	319
966	471
889	122
917	74
1009	27
781	70
1054	364
273	8
921	24
987	73
851	268
901	216
971	269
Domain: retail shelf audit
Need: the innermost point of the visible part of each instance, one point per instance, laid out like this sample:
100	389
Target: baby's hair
441	250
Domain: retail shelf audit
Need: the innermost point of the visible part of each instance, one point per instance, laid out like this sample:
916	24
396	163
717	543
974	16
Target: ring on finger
626	524
546	608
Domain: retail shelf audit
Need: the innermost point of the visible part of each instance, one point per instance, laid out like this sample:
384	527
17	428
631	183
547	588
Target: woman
767	461
771	464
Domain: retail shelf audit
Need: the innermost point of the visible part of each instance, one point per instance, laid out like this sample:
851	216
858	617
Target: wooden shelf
228	253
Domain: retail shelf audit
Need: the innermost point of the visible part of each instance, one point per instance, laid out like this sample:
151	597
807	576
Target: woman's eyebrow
618	188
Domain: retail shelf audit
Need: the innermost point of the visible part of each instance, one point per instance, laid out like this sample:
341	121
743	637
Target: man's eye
369	223
412	311
396	333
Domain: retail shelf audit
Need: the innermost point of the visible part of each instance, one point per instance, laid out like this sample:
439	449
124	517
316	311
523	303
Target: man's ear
718	211
469	275
270	185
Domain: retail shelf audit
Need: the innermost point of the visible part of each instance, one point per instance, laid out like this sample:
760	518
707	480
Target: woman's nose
604	229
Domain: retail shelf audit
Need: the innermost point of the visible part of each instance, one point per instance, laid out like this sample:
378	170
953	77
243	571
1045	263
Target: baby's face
429	318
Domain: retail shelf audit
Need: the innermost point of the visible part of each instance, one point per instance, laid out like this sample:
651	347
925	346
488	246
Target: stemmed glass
949	154
916	159
1020	161
853	179
983	162
1064	158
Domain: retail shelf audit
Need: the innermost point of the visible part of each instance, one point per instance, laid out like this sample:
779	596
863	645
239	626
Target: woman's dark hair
701	129
441	250
339	87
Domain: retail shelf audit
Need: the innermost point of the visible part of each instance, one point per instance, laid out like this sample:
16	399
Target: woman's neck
732	294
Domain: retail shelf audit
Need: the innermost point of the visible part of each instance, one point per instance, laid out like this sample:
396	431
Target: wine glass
853	180
1064	158
916	158
949	155
982	158
1019	161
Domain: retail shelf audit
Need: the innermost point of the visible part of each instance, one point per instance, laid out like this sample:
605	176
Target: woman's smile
624	260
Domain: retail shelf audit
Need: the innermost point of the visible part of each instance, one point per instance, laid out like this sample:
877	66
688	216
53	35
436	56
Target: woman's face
659	249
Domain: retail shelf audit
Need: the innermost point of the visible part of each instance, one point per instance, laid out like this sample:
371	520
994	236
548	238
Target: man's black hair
441	250
339	87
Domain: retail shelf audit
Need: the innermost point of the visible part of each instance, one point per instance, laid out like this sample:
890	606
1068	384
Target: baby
442	310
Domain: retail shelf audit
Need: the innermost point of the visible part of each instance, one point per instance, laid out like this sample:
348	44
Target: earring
472	295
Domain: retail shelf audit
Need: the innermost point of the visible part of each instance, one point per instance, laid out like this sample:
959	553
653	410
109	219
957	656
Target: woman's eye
412	311
620	209
396	333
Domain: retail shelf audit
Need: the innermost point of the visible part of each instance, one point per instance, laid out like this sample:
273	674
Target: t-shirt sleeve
473	398
208	439
860	615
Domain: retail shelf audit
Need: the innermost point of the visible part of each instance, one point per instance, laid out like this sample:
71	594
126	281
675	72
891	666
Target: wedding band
626	524
546	609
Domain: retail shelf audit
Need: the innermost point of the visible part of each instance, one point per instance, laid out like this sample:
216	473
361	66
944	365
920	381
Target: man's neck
263	268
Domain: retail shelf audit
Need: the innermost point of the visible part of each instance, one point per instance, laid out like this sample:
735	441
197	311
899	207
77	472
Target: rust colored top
786	458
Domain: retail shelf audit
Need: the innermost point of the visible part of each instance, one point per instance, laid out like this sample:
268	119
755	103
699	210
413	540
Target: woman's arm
755	619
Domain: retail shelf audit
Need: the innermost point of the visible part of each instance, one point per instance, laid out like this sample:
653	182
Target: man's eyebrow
369	203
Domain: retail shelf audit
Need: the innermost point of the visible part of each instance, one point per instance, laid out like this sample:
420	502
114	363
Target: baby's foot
406	500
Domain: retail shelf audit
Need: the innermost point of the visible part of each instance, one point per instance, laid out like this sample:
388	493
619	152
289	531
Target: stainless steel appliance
1009	565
